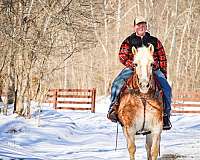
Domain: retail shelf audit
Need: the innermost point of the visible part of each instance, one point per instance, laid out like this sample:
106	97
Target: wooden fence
78	99
182	102
186	102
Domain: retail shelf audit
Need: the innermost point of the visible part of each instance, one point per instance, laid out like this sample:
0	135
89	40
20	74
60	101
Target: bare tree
75	43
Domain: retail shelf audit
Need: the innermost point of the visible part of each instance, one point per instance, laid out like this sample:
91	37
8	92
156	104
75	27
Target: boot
166	122
112	113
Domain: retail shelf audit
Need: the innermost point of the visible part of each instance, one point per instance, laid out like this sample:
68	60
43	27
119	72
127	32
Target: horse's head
143	60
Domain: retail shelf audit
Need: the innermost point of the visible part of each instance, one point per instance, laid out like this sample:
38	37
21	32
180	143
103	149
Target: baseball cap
139	19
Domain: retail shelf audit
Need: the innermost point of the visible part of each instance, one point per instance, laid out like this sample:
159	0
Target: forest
74	44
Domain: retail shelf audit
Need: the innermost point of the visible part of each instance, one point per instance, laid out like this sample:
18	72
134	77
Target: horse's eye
152	64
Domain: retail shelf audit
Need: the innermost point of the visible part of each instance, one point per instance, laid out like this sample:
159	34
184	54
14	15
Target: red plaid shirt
160	61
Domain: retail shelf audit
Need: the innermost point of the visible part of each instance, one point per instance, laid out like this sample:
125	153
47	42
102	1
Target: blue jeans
126	73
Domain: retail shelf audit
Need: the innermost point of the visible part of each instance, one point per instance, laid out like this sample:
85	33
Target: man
138	39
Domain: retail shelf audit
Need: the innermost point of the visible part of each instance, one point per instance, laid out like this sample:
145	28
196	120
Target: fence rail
182	102
75	97
186	102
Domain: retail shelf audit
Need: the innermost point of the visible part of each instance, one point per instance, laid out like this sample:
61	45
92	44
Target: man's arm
125	54
162	58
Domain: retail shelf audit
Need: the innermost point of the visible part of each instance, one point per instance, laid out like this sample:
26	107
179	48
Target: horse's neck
133	84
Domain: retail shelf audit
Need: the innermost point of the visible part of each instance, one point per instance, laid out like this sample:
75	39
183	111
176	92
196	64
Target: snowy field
82	135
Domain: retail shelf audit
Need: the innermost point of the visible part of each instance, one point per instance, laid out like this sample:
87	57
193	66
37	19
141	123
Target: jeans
167	91
119	81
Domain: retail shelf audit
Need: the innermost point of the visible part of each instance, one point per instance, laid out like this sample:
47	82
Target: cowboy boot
112	113
166	122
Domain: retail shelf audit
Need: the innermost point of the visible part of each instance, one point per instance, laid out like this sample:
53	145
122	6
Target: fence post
93	100
55	95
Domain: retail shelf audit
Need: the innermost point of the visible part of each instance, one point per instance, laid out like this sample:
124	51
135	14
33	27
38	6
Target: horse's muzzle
144	86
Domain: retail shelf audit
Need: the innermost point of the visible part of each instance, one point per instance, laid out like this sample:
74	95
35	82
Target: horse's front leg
130	138
155	146
148	145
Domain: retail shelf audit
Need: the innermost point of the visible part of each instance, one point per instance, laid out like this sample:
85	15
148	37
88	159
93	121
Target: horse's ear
151	48
134	50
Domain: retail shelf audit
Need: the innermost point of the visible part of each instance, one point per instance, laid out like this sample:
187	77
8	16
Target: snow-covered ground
82	135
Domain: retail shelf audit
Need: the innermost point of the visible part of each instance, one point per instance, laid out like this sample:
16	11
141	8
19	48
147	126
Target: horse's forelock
144	54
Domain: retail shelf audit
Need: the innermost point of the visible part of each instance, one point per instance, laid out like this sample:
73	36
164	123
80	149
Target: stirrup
143	132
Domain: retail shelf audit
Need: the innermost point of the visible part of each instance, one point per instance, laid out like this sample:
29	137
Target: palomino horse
141	109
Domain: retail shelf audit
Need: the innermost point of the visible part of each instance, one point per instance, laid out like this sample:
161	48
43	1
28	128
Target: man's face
140	28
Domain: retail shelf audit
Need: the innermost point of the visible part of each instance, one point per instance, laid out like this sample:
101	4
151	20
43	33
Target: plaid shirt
126	57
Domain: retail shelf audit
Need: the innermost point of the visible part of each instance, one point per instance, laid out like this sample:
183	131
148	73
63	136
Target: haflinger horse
141	106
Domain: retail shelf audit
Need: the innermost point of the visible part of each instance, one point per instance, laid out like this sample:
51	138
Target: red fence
186	102
79	99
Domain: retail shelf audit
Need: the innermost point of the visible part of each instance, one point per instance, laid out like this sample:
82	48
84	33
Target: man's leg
167	94
115	91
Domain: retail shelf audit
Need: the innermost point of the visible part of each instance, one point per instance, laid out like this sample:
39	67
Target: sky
82	135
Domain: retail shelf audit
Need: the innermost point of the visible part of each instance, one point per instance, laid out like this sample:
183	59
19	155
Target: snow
75	135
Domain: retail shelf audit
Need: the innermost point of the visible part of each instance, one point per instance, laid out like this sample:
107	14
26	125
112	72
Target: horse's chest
136	113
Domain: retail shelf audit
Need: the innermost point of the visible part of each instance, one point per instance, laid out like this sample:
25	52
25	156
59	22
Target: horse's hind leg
153	146
130	138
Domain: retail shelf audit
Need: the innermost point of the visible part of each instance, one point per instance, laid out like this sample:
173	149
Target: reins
116	137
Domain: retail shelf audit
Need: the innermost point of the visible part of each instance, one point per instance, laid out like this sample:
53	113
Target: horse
140	106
